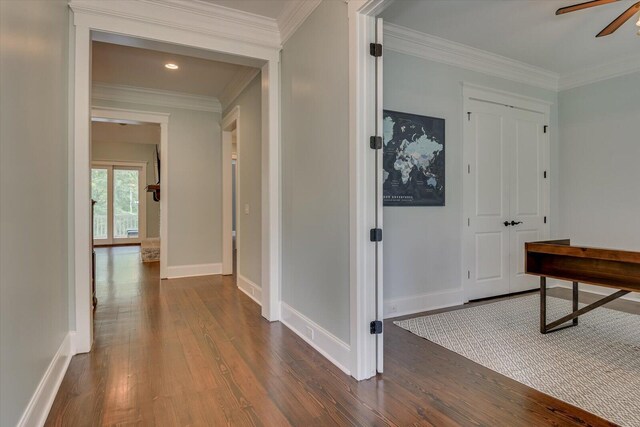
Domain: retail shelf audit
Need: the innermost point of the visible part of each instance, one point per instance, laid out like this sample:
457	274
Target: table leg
543	305
575	301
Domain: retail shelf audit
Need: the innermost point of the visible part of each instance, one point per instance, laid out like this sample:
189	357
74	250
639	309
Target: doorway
230	190
124	20
505	187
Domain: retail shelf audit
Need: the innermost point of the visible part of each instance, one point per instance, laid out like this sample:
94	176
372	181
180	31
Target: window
119	211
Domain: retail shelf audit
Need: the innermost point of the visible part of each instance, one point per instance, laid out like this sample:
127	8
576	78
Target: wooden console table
557	259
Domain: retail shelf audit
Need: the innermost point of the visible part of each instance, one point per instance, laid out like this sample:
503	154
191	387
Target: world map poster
413	160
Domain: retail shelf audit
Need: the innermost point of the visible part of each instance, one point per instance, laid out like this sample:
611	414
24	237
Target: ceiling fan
615	24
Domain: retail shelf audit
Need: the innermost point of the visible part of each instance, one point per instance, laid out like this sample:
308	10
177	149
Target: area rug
595	366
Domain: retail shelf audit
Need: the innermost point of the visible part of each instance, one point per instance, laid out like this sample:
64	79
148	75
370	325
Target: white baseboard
252	290
177	271
599	290
425	302
337	351
40	404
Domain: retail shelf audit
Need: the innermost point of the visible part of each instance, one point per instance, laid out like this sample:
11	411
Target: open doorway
140	85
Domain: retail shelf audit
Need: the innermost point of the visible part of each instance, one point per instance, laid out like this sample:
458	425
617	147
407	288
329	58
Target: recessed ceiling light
171	66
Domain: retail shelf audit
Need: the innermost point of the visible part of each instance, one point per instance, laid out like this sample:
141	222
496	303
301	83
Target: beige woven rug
595	366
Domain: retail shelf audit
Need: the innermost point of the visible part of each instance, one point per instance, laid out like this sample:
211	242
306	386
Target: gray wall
599	157
250	180
123	151
422	246
315	169
195	190
33	189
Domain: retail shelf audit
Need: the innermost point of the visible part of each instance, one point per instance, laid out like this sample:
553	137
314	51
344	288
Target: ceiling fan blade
624	17
584	5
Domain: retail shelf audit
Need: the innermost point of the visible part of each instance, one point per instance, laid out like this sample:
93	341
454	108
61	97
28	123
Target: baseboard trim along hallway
40	404
252	290
337	351
178	271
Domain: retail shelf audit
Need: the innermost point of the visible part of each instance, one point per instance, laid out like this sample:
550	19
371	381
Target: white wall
250	180
599	163
315	169
194	182
422	245
127	151
34	283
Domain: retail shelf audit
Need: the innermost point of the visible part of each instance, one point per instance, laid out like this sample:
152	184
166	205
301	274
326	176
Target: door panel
488	165
126	199
527	193
379	203
487	177
100	194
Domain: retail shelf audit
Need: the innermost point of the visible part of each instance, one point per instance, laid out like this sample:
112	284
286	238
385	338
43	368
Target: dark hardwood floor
196	351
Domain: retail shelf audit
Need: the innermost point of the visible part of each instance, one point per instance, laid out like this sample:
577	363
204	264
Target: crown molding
415	43
203	17
156	97
234	88
293	15
195	16
605	71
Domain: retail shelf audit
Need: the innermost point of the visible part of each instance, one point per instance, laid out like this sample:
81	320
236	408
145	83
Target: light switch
246	209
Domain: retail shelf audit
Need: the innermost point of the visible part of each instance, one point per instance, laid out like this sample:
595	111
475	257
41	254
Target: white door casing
164	23
506	192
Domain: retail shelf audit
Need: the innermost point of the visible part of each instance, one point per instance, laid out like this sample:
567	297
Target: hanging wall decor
413	160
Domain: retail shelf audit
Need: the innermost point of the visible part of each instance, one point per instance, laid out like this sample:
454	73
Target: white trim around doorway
162	119
230	123
154	22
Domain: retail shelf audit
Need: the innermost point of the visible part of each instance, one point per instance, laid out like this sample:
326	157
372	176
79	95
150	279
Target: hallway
196	351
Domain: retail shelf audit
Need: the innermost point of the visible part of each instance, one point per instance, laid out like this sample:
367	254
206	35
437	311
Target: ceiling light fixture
171	66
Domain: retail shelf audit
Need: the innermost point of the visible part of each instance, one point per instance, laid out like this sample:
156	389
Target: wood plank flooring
196	352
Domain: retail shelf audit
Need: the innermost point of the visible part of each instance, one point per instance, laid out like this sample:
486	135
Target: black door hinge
375	142
469	116
375	327
545	219
545	128
375	234
545	174
375	49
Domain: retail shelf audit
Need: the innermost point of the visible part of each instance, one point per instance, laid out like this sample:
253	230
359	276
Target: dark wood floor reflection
195	351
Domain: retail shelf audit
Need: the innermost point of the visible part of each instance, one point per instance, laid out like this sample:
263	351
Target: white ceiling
524	30
269	8
131	66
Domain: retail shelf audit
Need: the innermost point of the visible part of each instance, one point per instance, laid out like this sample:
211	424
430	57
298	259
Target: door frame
162	23
473	92
110	165
230	122
136	116
362	201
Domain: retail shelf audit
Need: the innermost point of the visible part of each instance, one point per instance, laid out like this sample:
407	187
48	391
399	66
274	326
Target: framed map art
413	160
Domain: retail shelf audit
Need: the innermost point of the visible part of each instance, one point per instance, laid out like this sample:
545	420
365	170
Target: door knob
506	223
516	223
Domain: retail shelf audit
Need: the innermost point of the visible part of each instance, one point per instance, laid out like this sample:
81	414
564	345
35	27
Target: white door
379	204
505	196
528	201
